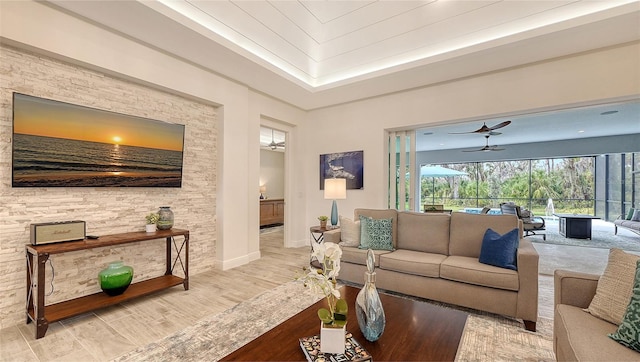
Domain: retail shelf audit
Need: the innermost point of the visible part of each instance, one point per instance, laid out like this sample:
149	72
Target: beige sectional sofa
578	335
436	257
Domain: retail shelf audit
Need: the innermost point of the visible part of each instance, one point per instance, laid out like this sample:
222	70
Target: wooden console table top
106	240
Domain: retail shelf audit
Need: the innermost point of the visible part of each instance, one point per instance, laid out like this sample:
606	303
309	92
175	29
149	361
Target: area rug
486	337
603	239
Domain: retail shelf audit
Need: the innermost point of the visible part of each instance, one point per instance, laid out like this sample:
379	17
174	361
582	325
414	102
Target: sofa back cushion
467	231
424	232
381	214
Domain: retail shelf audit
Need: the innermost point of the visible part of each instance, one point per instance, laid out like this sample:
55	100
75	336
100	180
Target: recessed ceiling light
581	131
608	113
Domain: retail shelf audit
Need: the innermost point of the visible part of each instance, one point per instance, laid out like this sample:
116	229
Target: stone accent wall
105	210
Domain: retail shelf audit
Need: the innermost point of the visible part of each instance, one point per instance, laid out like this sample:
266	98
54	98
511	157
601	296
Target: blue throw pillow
375	234
628	333
500	250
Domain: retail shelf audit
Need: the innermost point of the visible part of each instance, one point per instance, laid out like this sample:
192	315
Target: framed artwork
57	144
347	165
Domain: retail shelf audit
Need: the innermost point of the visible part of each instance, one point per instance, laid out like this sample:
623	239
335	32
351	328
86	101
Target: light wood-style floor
111	332
114	331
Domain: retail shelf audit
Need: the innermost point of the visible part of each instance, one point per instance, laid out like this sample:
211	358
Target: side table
317	237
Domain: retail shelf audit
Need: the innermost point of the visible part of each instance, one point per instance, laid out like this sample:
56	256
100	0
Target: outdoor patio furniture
532	225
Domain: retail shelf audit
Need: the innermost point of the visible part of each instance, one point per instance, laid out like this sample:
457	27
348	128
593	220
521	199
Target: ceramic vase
165	220
150	228
332	340
368	306
116	278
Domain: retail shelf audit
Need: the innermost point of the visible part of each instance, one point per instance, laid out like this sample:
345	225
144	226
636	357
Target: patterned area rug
601	237
486	337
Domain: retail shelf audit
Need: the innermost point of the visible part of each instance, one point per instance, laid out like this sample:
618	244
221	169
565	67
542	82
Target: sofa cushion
375	234
635	225
423	232
629	214
467	231
355	255
350	232
469	270
613	292
381	214
413	262
628	333
585	335
500	250
636	215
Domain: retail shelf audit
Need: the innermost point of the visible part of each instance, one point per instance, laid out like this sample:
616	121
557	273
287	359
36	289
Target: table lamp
263	189
335	189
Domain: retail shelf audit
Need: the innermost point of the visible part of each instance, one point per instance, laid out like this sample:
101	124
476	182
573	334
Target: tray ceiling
314	54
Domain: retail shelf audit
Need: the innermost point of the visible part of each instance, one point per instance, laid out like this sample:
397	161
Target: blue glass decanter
368	306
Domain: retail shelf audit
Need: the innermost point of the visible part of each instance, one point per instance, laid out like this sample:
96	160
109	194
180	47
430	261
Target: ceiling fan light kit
275	145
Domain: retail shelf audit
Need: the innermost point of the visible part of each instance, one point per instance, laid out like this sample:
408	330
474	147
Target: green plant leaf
325	315
342	307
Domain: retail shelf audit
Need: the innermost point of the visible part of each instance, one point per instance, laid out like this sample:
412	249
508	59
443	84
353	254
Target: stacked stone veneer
105	210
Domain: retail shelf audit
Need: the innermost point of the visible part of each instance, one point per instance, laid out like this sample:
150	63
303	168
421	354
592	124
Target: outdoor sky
42	117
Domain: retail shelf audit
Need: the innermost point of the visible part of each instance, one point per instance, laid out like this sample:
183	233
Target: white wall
272	173
589	78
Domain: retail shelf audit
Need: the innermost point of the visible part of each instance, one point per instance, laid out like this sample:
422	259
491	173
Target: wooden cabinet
271	211
37	256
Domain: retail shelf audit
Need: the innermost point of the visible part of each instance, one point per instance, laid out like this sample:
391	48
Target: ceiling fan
275	145
487	130
486	147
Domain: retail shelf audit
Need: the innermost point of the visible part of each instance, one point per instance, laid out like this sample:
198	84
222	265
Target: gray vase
368	305
165	218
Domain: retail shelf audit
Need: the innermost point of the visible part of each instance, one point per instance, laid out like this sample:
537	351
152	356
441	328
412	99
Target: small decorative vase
150	228
332	340
165	220
369	310
116	278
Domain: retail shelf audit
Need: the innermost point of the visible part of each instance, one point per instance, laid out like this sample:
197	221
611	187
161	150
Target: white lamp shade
263	188
335	188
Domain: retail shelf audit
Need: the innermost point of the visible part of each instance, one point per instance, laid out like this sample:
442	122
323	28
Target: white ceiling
318	53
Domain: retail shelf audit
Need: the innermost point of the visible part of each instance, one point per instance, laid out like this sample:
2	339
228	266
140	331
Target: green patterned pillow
628	333
375	234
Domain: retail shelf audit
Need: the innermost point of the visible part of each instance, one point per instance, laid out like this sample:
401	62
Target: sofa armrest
528	279
574	288
332	236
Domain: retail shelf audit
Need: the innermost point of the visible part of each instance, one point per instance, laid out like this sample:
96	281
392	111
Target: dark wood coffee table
415	331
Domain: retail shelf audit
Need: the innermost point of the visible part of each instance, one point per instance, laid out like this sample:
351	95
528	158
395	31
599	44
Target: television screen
57	144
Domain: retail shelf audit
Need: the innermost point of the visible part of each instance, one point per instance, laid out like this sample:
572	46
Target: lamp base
334	213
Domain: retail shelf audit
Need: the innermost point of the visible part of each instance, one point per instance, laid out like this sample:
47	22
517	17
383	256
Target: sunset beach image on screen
58	144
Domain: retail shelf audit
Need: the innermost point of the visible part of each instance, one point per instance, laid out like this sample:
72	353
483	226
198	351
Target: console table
37	256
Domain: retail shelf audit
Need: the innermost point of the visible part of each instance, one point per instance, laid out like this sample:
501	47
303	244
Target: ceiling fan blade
500	125
487	130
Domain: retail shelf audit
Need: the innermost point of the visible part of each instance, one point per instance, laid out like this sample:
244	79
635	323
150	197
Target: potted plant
323	221
152	219
322	282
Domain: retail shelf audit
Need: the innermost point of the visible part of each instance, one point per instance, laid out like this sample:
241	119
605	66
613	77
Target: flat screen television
57	144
